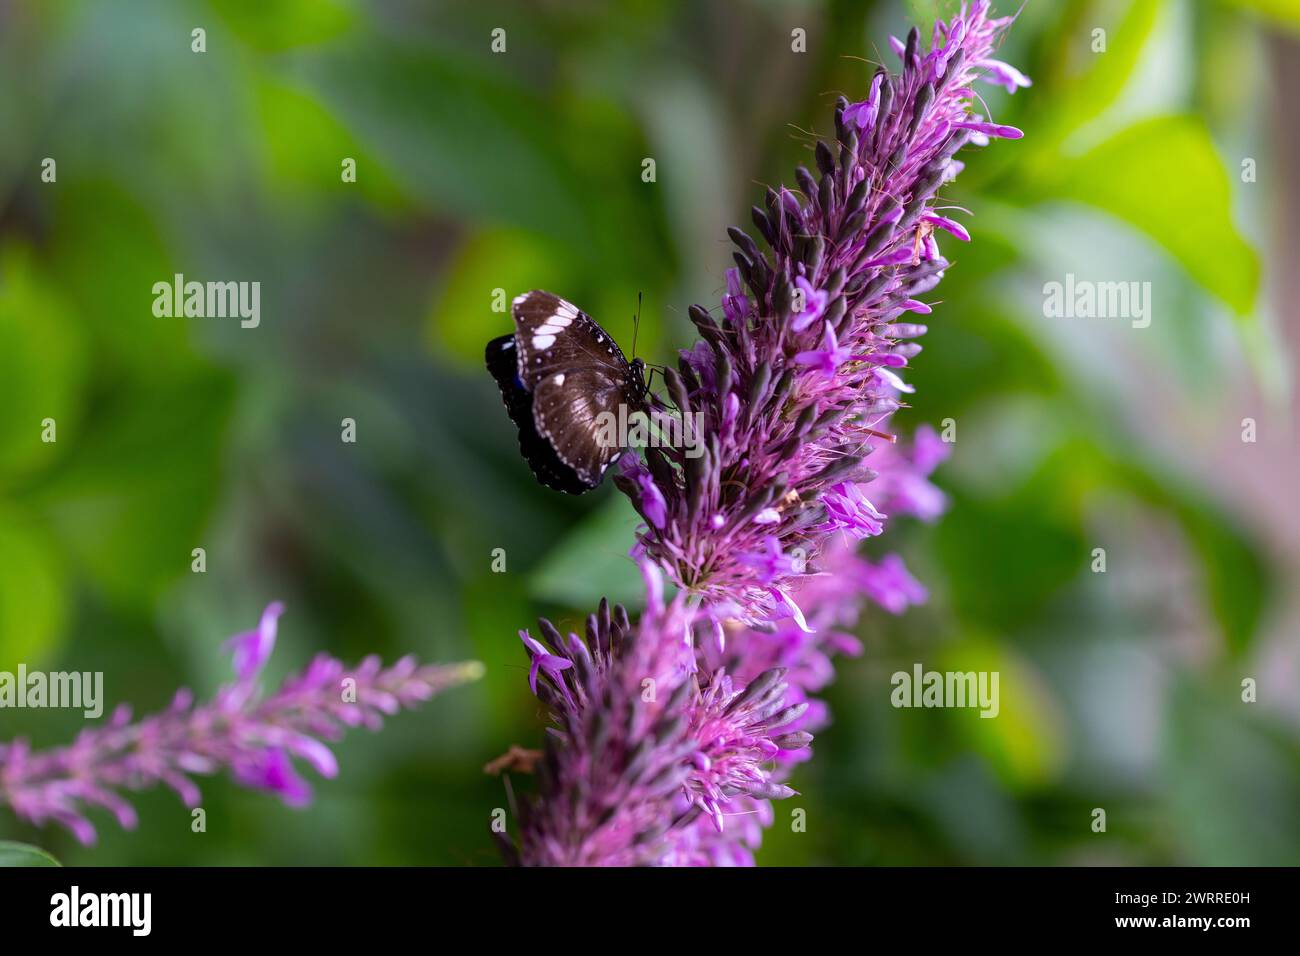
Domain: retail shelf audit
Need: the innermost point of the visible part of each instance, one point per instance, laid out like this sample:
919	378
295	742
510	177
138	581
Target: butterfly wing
577	412
574	379
556	337
503	362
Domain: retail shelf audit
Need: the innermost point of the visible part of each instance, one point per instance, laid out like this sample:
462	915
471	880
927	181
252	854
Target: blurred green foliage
478	171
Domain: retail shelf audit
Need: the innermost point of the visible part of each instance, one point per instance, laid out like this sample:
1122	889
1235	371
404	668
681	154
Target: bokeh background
1120	690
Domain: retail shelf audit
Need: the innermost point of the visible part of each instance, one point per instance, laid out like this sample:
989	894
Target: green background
479	171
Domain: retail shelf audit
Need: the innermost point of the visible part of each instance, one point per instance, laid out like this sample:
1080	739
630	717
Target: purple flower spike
773	564
891	585
814	304
863	115
646	747
670	737
256	739
793	378
272	770
828	358
956	228
991	129
551	664
1006	75
649	500
251	649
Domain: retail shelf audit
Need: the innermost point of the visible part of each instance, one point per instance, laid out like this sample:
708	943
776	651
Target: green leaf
402	102
1231	777
108	254
133	495
1099	85
1238	580
33	591
461	319
1037	546
1164	176
277	25
592	562
1025	741
297	130
42	366
20	854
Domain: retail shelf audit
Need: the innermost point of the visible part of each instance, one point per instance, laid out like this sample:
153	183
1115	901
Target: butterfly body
562	377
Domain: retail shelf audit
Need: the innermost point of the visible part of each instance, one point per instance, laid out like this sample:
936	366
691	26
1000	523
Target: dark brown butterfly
564	380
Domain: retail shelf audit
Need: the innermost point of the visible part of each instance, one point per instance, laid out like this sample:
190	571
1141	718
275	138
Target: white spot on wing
559	379
543	342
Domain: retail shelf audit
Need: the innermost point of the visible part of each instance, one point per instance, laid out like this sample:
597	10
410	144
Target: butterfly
562	377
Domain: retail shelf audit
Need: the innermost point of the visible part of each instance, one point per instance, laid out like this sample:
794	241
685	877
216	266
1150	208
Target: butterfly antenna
636	323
